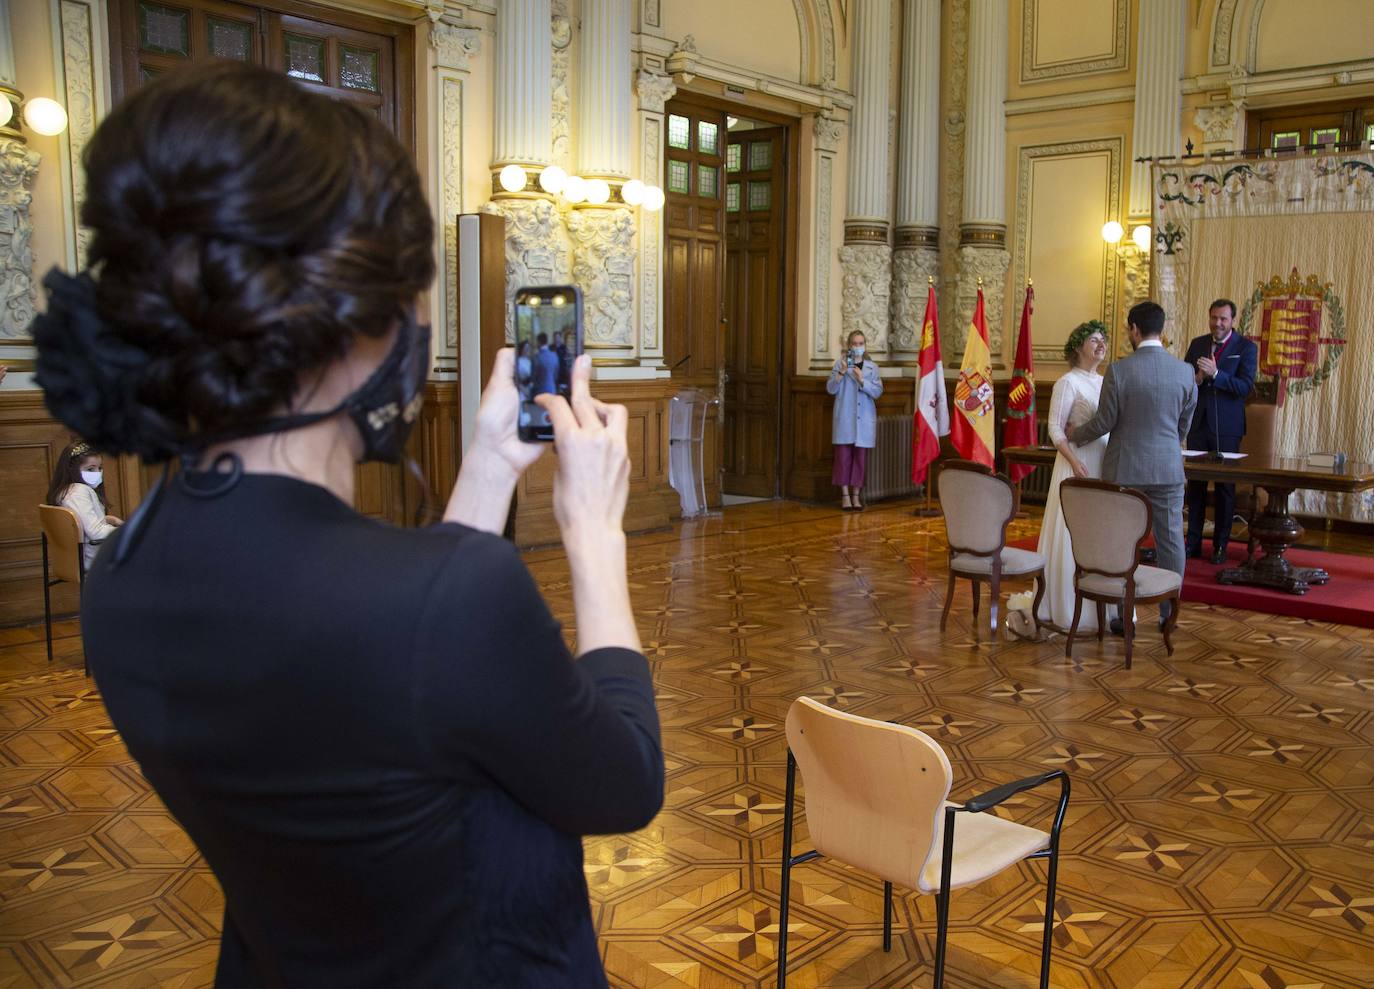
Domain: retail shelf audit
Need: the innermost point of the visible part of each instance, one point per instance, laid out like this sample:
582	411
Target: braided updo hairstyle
243	231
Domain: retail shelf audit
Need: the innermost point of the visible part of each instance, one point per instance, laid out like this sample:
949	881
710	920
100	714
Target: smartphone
548	338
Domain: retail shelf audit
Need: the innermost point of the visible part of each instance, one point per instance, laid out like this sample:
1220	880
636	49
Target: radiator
889	462
1035	486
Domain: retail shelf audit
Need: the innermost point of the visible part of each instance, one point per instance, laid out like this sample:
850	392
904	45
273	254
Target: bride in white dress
1073	402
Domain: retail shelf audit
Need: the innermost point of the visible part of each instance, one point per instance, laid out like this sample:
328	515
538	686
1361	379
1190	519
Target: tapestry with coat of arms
1288	239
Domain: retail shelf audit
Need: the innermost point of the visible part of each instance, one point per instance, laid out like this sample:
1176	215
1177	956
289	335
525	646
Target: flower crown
80	450
1079	336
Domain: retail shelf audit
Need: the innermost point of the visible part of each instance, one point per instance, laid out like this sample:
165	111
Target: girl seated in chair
78	483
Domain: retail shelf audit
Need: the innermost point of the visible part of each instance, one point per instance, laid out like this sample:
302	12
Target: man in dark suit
1224	364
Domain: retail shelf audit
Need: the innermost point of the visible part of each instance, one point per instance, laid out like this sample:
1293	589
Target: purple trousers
851	465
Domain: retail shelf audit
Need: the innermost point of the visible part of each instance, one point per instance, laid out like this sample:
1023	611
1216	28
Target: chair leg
788	813
1039	595
941	933
1101	621
1073	626
47	597
1170	623
1049	918
977	593
887	916
1128	621
949	600
994	596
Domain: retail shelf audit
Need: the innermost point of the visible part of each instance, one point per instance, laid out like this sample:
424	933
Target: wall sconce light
513	178
552	180
575	189
598	191
1112	232
1142	236
653	198
40	114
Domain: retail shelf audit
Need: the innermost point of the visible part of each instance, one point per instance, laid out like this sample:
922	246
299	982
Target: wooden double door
726	236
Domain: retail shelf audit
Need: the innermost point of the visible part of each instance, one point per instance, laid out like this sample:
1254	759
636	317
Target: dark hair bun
244	230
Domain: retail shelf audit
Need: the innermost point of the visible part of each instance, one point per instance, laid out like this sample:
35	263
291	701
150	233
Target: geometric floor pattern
1220	834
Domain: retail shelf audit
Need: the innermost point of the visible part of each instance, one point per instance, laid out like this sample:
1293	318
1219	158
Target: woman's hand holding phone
481	496
589	496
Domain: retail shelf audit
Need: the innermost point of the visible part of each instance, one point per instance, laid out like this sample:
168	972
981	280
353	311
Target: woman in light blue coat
856	386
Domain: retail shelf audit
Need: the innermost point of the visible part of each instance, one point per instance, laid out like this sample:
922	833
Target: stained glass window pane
1369	133
358	68
760	155
734	157
732	196
1286	140
228	39
760	195
708	138
304	57
708	179
147	74
678	178
163	29
1326	135
679	132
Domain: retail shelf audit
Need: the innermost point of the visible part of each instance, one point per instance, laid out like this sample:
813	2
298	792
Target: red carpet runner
1347	599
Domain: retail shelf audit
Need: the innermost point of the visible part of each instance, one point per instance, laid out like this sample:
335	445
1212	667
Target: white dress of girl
1072	403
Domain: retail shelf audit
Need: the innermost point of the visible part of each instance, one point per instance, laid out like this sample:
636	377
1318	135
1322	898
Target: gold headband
81	449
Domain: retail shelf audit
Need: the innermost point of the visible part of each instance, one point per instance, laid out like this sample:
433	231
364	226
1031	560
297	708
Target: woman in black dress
376	736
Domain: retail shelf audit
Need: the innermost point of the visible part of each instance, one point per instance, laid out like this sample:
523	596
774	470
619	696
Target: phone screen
548	338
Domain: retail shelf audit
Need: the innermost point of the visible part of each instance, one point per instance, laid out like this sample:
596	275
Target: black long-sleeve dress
376	737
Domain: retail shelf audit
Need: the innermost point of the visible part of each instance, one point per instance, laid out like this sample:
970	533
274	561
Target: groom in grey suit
1147	405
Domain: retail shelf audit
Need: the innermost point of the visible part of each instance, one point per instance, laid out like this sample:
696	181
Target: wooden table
1275	529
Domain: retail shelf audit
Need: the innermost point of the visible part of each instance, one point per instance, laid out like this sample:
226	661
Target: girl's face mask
93	477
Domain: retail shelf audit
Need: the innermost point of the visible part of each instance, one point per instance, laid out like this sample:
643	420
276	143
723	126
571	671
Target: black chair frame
48	583
977	805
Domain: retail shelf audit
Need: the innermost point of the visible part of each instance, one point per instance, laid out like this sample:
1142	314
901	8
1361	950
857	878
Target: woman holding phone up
856	386
376	736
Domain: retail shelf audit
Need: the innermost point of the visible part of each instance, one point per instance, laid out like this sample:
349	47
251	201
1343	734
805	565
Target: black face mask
385	408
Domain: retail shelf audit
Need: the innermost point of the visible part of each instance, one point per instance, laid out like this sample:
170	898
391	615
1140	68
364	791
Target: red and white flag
932	407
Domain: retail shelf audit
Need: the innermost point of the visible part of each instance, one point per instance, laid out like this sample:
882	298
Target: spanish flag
971	426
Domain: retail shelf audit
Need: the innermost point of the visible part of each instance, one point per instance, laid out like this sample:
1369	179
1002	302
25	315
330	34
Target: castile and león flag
932	405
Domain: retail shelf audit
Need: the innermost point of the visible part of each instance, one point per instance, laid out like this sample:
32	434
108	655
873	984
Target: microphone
1214	455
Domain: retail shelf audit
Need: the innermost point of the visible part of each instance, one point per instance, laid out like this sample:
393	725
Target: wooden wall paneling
30	442
652	504
440	443
808	474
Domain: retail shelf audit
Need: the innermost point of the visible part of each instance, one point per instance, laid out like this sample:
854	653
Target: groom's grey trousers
1166	506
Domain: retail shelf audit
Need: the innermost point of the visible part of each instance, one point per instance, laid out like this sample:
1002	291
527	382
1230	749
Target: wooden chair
62	559
978	505
1107	525
876	799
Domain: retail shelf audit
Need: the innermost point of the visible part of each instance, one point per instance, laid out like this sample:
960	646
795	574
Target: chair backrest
63	530
1258	440
977	505
1107	523
873	789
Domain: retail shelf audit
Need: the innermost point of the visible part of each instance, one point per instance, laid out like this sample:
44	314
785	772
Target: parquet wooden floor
1221	832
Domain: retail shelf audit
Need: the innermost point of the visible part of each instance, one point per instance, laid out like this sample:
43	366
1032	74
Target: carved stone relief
536	249
451	141
825	167
1223	25
18	166
912	267
955	86
561	102
989	263
1136	275
829	132
604	266
78	65
867	290
654	90
650	229
1221	127
651	13
454	47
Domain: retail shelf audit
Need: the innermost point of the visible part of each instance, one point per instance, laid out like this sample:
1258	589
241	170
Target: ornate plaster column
1156	129
1223	127
18	166
603	236
983	231
536	248
916	254
866	257
827	130
654	90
